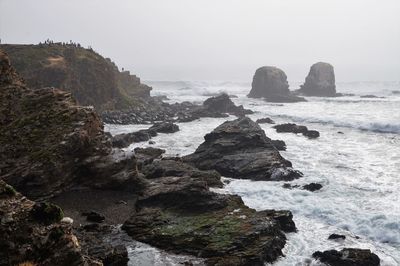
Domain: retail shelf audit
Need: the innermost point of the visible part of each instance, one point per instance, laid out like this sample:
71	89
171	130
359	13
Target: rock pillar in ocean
320	81
269	81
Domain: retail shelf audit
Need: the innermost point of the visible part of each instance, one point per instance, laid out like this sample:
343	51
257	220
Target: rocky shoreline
55	152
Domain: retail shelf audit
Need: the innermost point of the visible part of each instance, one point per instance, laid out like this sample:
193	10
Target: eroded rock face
33	233
320	81
180	214
48	143
240	149
92	79
271	83
348	257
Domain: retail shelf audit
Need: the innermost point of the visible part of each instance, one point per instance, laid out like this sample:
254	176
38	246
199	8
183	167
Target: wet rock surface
336	236
180	214
320	81
297	129
348	257
240	149
271	83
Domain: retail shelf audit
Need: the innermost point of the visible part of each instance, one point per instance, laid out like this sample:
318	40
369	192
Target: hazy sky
219	39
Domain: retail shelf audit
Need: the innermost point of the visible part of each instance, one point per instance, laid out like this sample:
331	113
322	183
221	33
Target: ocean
356	159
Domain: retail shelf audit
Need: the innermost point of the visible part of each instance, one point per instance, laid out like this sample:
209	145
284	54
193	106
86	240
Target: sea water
356	159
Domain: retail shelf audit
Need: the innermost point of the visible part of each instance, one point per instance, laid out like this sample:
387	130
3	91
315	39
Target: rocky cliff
48	143
92	79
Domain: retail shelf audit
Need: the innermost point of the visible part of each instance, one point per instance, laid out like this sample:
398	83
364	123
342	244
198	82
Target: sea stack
320	81
271	83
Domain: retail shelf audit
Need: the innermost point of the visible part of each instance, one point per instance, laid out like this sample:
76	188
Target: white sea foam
359	170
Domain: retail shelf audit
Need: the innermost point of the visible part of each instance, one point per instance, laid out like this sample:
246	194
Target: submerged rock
32	233
293	128
312	187
336	236
320	81
348	257
164	127
271	83
240	149
180	214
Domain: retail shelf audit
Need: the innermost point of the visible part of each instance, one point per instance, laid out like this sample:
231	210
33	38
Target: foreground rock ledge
181	215
32	233
240	149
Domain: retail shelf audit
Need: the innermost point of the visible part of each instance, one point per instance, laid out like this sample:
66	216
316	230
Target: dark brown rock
240	149
265	120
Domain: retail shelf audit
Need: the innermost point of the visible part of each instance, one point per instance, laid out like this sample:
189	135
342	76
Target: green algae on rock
181	215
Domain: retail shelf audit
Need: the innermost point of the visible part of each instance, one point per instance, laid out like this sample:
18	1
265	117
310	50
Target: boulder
348	257
223	104
164	127
125	139
336	236
271	83
320	81
240	149
293	128
312	187
180	214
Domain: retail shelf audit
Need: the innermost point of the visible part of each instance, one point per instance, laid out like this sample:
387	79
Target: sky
225	40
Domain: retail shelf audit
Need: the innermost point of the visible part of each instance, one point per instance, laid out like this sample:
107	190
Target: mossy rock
7	191
47	213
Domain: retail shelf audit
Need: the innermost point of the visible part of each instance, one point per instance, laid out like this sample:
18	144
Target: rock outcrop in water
180	214
271	83
48	143
320	81
32	233
293	128
240	149
348	257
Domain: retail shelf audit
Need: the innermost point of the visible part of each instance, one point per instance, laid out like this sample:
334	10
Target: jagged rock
265	120
125	139
280	145
180	214
320	81
348	257
33	233
240	149
271	83
49	144
293	128
147	155
336	236
164	127
223	104
175	167
312	187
